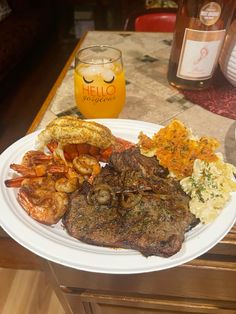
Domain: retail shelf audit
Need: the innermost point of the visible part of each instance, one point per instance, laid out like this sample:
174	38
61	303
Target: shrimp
32	173
67	185
70	181
43	183
45	206
41	198
26	171
33	164
34	157
31	167
87	165
44	187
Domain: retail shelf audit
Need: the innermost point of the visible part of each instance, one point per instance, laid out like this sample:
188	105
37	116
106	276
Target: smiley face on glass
106	73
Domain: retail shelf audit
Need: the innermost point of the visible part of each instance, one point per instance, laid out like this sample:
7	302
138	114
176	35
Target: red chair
152	20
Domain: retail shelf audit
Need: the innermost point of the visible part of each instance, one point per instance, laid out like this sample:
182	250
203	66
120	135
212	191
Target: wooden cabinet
104	304
204	285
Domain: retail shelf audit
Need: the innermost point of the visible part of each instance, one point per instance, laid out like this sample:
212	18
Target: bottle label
199	54
210	13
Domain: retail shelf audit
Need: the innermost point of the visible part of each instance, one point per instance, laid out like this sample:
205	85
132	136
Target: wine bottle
199	35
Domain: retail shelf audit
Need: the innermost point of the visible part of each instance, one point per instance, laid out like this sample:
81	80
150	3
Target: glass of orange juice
99	82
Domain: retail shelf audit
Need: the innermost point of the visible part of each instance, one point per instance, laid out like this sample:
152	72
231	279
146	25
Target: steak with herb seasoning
130	209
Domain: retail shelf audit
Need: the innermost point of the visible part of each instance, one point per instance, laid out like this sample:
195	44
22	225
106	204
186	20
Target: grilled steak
131	159
131	208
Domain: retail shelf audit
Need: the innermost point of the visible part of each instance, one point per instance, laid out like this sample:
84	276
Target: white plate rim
47	241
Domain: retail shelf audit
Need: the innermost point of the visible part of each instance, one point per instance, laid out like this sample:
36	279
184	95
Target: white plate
231	79
53	243
231	65
231	71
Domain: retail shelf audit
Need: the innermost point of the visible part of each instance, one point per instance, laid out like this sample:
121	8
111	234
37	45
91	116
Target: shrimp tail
23	170
57	169
14	183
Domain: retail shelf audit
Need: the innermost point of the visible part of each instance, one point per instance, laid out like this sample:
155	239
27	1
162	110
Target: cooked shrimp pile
45	182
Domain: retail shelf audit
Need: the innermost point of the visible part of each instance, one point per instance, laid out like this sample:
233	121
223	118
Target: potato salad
209	187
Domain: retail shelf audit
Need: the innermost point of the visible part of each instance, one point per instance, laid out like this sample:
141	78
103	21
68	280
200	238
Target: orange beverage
99	82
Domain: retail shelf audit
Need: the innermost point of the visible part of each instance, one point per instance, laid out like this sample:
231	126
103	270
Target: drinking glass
99	81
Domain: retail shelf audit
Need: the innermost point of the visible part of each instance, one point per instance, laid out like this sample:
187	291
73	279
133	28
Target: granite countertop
149	97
